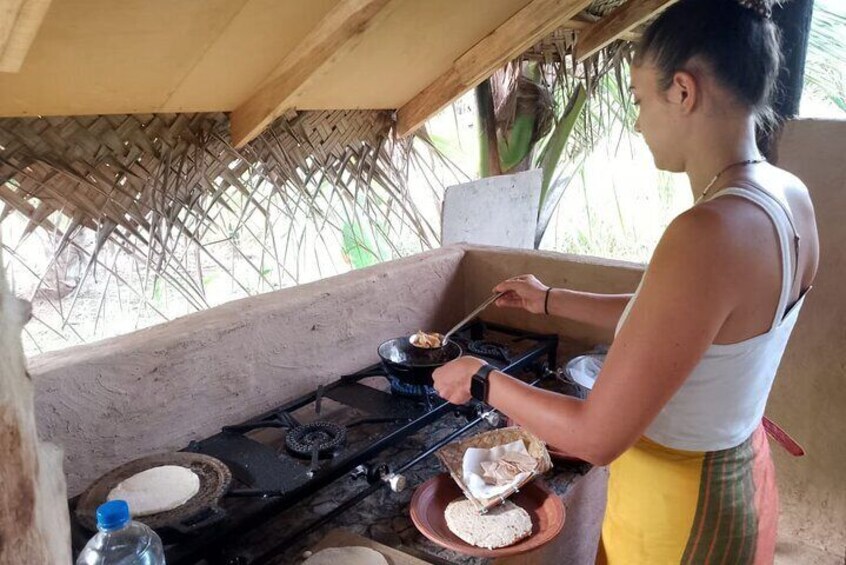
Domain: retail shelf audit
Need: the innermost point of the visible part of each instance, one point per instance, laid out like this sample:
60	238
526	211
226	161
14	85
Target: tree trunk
489	165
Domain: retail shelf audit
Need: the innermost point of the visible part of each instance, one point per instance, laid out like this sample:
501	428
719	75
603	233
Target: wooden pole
34	525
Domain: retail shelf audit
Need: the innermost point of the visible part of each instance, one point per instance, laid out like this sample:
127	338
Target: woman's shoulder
736	232
784	184
724	234
766	182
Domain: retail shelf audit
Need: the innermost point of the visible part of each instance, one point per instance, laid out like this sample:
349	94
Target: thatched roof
123	172
259	60
97	168
139	120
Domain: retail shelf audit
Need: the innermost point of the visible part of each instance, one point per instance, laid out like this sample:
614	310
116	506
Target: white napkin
472	472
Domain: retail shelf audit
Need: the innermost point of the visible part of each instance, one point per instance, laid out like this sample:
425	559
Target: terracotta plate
214	482
561	456
432	497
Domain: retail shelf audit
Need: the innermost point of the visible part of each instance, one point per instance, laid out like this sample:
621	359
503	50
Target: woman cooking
676	411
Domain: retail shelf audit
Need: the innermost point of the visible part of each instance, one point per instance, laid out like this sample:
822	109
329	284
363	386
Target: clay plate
432	497
214	482
563	457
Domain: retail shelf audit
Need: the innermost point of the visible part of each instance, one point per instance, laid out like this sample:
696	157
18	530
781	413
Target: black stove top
291	452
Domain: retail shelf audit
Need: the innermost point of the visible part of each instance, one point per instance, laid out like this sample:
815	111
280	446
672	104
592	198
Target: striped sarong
669	506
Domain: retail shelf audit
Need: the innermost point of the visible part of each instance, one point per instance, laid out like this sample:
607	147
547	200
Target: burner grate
489	349
327	438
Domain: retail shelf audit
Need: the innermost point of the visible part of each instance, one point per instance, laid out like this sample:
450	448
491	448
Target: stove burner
326	436
407	390
488	349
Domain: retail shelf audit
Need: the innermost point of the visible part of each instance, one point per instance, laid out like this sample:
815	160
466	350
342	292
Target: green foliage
359	249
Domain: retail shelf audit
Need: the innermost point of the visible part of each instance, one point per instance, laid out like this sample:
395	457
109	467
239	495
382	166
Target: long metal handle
472	315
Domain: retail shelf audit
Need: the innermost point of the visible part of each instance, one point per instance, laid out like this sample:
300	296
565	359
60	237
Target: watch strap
479	383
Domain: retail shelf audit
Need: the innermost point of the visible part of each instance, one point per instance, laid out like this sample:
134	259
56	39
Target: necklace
718	175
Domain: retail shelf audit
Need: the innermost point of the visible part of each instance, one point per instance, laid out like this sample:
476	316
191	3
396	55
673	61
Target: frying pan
414	365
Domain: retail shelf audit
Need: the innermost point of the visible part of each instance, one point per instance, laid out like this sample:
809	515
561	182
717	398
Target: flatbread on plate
156	490
501	526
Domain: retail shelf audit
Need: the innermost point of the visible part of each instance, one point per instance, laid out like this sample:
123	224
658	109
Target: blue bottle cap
112	515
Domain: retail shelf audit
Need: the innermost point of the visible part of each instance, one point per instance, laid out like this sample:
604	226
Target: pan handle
209	516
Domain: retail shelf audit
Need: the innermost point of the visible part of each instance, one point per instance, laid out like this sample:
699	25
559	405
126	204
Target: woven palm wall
120	175
161	189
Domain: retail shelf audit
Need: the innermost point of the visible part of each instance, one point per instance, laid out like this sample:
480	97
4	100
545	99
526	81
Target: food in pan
426	340
158	489
501	526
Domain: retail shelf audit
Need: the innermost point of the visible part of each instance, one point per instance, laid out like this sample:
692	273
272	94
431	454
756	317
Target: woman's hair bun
763	8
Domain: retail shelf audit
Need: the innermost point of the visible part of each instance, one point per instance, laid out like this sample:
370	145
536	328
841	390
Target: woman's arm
686	296
527	292
602	310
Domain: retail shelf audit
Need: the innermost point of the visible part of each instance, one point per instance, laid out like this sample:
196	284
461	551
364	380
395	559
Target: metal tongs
470	316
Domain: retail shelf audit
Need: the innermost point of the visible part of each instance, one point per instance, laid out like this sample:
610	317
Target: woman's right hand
525	292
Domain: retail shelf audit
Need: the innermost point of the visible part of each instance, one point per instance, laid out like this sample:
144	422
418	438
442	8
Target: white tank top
722	401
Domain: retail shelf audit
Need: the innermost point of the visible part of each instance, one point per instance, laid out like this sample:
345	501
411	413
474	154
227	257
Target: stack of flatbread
489	468
504	470
501	526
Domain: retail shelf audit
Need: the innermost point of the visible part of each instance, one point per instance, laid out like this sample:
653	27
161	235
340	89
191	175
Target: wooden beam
20	21
349	19
611	27
581	22
522	30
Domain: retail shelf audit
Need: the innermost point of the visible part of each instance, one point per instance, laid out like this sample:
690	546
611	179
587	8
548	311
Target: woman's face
659	119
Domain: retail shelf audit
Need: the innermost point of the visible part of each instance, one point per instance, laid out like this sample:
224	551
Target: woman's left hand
452	381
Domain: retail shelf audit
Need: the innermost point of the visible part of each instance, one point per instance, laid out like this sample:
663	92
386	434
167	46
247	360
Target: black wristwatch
479	383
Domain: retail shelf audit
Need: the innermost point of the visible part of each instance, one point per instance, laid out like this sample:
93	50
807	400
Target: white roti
157	490
499	527
353	555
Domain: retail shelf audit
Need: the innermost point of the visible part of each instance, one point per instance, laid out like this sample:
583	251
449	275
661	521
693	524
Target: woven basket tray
452	457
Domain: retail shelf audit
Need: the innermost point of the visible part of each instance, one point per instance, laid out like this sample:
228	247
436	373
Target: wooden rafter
347	20
533	22
19	24
614	25
582	21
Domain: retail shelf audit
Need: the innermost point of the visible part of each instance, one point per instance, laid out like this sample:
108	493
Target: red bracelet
546	301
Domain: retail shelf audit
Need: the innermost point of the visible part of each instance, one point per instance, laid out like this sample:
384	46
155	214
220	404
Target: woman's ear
684	91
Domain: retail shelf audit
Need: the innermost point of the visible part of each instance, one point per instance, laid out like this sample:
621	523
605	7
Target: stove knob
360	471
492	417
396	482
380	472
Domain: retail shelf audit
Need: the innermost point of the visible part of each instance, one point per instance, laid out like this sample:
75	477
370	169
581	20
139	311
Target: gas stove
338	430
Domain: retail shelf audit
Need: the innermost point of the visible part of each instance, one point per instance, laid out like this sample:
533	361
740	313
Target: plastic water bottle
121	541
